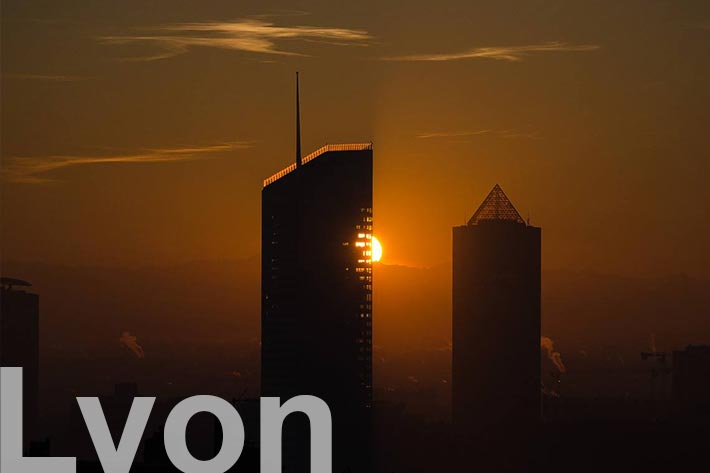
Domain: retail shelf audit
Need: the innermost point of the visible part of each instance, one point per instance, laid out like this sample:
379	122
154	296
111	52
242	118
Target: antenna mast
298	126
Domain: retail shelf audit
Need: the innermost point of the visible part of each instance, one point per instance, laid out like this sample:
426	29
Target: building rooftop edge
496	222
6	281
310	157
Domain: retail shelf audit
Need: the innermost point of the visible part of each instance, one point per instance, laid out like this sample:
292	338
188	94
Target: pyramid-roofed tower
496	206
495	333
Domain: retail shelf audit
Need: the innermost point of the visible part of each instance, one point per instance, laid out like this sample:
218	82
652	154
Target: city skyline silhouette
496	283
158	237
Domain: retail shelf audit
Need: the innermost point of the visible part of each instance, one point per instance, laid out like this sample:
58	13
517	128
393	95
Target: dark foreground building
316	316
691	381
496	330
19	346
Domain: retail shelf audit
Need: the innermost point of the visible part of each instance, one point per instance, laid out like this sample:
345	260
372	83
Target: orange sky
136	133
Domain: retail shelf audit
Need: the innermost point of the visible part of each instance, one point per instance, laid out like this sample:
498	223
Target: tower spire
497	207
298	126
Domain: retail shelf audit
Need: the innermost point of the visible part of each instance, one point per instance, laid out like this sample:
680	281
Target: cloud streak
468	134
33	169
501	53
46	77
252	35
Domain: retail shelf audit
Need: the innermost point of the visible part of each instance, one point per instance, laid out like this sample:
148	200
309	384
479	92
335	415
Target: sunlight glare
376	250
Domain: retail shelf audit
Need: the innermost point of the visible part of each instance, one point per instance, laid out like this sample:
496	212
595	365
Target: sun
376	250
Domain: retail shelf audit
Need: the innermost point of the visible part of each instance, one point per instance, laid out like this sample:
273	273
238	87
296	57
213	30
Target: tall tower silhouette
496	327
316	305
19	346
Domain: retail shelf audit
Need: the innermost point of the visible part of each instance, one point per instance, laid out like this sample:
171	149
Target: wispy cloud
253	35
45	77
34	169
502	53
467	134
282	13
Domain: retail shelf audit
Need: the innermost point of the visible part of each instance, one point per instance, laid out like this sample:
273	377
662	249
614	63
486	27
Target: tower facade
496	321
316	306
19	346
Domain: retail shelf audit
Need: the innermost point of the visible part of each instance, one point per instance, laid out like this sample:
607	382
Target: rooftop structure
320	151
496	206
9	283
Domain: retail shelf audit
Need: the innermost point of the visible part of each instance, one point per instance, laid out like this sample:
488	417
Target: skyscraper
316	318
496	322
19	346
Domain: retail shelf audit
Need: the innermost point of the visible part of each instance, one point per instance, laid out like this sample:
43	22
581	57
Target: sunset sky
139	132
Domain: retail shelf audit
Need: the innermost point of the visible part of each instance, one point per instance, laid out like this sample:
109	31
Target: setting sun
376	250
